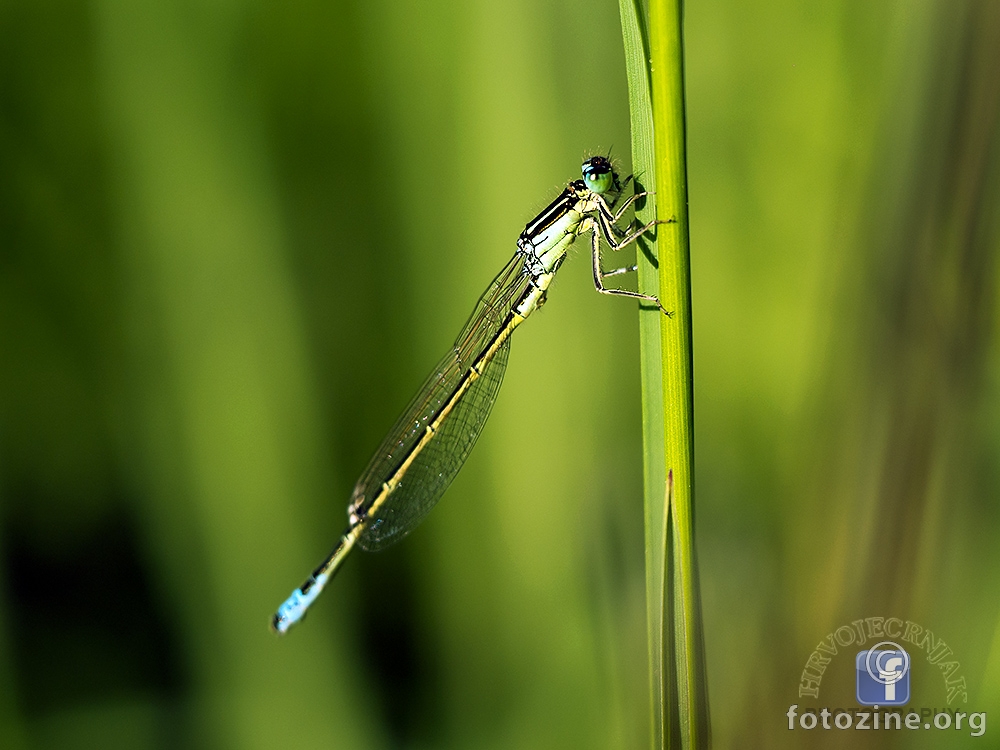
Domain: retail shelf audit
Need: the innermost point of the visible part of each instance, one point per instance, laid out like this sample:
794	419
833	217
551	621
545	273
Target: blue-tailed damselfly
427	446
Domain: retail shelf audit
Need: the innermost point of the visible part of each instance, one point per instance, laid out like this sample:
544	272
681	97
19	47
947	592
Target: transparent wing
434	468
486	320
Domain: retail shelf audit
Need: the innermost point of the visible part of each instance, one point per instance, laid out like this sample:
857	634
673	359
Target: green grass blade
654	467
654	64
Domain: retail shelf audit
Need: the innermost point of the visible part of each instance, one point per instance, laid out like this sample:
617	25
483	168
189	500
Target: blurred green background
235	235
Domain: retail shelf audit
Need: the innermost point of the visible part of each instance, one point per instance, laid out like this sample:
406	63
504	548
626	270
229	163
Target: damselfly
427	446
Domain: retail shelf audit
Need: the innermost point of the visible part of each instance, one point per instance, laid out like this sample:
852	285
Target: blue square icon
883	676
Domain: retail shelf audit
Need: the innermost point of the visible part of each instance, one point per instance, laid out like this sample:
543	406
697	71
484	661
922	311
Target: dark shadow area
395	648
85	623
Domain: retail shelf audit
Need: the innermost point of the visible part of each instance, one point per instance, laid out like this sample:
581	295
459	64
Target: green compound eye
598	175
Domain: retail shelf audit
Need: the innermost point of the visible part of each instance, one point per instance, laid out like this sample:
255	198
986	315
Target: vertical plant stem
669	144
654	467
654	63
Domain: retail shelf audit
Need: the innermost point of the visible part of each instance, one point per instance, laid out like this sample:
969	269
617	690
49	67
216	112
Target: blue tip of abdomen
294	607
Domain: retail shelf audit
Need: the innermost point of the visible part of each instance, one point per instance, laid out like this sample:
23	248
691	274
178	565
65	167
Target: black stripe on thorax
551	213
